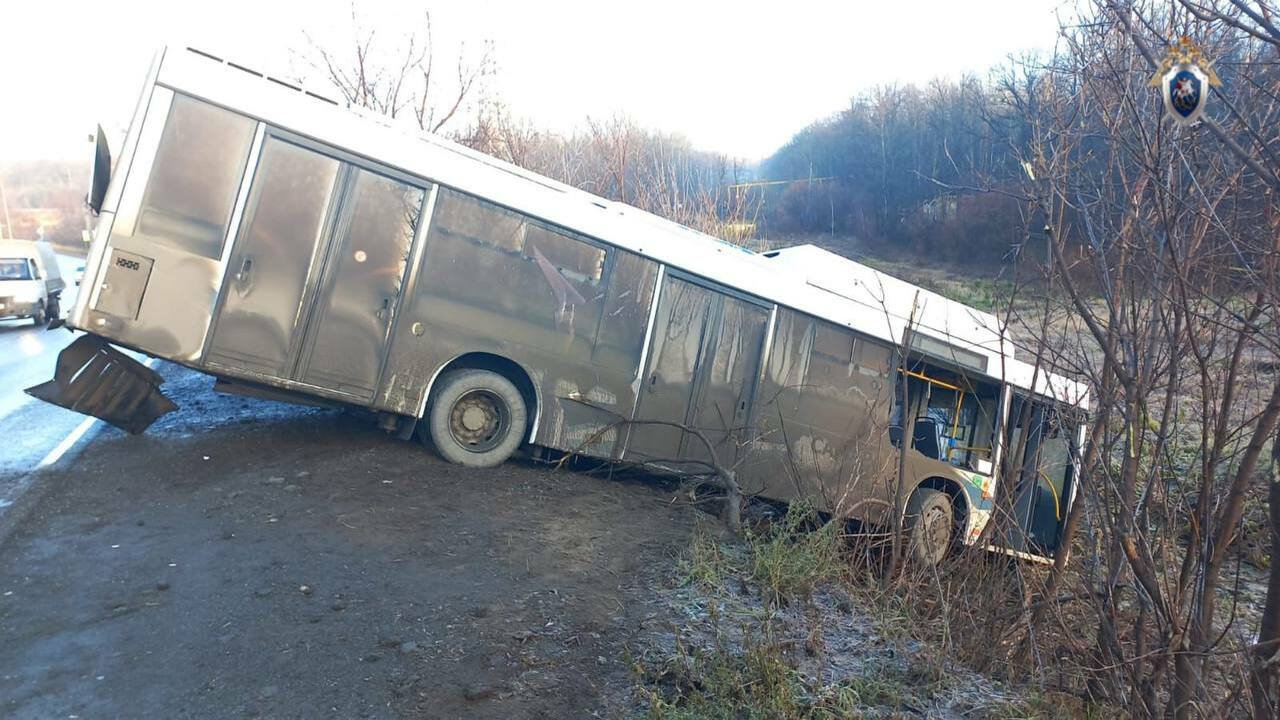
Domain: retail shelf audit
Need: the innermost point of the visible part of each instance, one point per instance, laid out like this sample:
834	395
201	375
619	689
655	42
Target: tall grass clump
788	559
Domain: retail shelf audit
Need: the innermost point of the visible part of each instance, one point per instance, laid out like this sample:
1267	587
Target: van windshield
15	269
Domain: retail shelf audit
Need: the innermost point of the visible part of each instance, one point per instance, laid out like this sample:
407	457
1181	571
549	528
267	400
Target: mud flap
93	378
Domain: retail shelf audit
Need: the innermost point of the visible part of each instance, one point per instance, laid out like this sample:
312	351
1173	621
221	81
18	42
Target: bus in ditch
295	249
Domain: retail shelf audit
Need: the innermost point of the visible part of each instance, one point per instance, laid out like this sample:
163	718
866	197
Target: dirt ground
250	559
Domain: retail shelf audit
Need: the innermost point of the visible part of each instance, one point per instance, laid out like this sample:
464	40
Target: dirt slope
252	559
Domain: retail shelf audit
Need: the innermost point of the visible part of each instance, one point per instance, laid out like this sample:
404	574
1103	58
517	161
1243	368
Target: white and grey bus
295	249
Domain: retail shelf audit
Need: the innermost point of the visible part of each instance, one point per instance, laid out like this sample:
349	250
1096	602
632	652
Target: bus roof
805	278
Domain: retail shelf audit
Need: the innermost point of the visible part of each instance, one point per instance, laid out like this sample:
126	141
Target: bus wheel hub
473	418
478	420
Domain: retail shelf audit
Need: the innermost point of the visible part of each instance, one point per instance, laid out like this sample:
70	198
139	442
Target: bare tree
1161	244
614	158
1247	132
399	76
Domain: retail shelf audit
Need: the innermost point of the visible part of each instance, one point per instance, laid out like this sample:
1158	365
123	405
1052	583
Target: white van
30	281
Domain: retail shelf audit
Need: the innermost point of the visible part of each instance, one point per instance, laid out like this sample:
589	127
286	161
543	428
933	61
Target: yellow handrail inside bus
955	421
1057	506
967	448
928	379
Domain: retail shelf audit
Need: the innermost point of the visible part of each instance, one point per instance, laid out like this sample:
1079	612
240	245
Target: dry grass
793	622
783	560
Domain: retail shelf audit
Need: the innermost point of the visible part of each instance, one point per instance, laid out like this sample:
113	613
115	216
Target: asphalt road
30	429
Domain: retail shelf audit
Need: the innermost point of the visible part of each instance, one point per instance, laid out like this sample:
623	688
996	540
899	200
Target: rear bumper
93	378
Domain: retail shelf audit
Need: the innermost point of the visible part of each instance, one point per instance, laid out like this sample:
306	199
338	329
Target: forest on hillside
908	170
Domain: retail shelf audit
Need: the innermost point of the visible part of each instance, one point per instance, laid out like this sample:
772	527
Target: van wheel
40	318
476	418
930	525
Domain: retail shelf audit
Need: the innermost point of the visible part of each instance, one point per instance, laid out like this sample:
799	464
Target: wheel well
959	501
505	367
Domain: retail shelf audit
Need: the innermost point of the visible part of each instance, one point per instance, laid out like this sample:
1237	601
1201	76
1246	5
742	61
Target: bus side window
581	263
835	346
620	340
561	281
464	219
522	281
870	372
195	177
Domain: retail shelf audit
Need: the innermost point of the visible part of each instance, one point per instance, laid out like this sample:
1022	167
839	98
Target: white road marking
67	442
74	436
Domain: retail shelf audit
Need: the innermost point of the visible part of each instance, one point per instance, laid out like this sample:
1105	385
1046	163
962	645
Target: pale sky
734	77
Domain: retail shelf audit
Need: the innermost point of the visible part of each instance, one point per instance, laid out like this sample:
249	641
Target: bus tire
39	317
475	418
930	526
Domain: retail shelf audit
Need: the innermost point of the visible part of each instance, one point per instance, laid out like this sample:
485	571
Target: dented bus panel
291	248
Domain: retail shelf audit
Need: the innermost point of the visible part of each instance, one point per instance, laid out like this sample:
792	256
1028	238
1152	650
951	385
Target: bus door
727	380
316	272
703	361
1044	472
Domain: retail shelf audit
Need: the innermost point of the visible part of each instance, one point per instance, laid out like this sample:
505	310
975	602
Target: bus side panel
159	270
121	164
569	311
821	419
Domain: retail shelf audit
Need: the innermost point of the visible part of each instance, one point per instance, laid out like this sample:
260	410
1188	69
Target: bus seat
895	435
926	438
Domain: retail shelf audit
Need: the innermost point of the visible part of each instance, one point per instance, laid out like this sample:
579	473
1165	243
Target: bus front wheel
476	418
929	525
